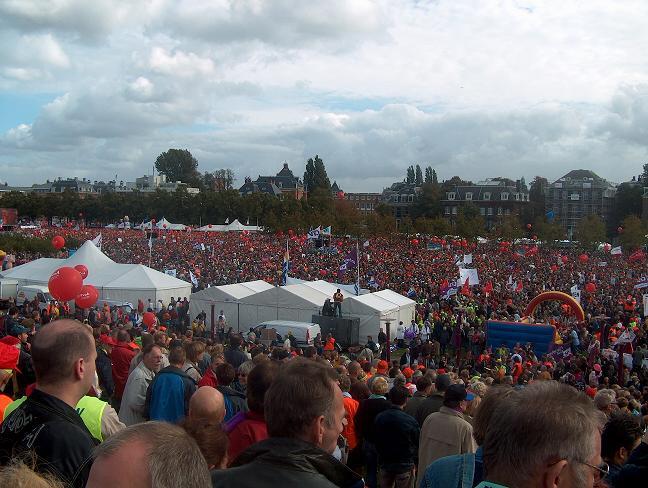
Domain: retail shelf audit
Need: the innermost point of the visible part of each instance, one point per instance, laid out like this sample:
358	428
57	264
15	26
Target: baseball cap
18	329
457	393
382	366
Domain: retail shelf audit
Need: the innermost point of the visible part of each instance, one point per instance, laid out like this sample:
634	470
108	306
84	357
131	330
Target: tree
634	232
315	175
470	223
410	175
507	228
435	180
548	231
428	201
223	179
644	175
419	176
178	165
428	174
627	201
590	230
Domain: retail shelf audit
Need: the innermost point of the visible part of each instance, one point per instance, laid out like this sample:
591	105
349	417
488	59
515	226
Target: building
401	197
494	198
82	187
285	181
336	192
578	194
152	183
365	203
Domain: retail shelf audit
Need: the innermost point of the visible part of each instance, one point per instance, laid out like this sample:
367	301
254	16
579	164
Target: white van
304	332
8	288
29	292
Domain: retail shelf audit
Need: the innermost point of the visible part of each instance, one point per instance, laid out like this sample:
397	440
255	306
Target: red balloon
87	297
339	243
564	259
323	272
58	242
443	242
164	225
83	271
554	268
148	319
590	287
583	258
415	242
65	283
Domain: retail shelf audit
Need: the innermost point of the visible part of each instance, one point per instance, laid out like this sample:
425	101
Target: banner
314	233
326	231
616	251
642	283
433	246
350	262
171	272
468	274
576	293
626	337
467	259
645	302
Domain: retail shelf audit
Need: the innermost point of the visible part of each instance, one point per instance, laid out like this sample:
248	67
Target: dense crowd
224	409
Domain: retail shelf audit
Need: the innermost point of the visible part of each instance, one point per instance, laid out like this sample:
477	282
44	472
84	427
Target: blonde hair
19	475
379	386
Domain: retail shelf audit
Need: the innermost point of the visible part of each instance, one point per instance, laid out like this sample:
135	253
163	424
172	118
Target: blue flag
350	262
285	268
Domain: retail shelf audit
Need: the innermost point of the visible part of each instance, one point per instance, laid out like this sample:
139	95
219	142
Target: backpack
229	408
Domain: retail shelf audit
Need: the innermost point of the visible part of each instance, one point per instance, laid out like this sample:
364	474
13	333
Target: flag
326	231
314	233
170	272
434	246
447	289
373	283
350	262
248	221
366	243
97	241
150	242
285	266
616	251
642	283
467	259
465	289
202	246
638	255
518	287
488	288
470	274
194	280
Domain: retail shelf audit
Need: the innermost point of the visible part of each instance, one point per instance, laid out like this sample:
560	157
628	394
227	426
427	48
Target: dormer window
505	196
468	196
487	195
451	195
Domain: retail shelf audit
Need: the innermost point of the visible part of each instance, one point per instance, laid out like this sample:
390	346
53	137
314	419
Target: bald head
57	348
207	404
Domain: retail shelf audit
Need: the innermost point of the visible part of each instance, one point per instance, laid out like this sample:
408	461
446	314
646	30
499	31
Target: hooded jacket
289	463
235	402
167	398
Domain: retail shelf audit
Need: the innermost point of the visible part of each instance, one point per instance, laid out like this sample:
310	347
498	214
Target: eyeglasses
602	469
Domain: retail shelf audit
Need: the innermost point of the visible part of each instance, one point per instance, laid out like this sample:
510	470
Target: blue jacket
459	471
167	397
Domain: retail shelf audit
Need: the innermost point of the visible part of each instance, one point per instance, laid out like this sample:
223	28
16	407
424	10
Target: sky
472	88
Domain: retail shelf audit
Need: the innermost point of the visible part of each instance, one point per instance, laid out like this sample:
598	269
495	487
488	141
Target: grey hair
246	367
604	398
174	458
541	424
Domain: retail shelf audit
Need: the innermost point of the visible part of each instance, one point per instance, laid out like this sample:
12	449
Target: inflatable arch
558	296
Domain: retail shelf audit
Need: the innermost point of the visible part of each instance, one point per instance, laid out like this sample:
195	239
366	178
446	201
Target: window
505	196
454	210
517	197
574	196
410	198
447	210
508	211
499	210
395	198
490	210
487	195
482	211
451	195
468	196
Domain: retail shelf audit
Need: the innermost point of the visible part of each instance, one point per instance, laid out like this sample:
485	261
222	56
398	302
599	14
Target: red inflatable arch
559	296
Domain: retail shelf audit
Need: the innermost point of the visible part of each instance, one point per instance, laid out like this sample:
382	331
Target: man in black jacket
304	413
234	355
397	439
434	401
47	424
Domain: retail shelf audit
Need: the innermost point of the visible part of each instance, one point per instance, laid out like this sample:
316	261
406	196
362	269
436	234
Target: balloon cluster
66	284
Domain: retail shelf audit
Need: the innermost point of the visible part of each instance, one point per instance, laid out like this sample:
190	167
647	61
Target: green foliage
428	201
437	226
469	223
428	174
418	179
628	201
548	231
178	165
315	176
507	228
590	230
634	232
14	243
410	175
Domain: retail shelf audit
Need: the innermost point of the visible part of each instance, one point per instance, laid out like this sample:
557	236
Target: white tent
212	228
327	287
235	226
373	312
114	281
406	306
163	224
226	298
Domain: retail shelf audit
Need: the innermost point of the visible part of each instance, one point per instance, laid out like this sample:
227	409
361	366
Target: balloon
164	225
323	272
87	297
83	271
443	242
554	268
564	259
209	226
148	319
415	242
529	226
65	283
583	258
339	243
58	242
590	287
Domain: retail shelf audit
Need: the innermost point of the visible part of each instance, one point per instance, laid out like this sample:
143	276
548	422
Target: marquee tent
325	286
163	224
406	306
226	298
114	281
235	226
373	312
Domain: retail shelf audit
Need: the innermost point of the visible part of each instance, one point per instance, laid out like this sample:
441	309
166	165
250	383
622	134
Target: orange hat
382	367
408	372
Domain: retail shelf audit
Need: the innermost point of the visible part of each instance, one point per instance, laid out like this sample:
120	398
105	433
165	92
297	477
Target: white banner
645	302
467	259
171	272
575	293
468	274
626	337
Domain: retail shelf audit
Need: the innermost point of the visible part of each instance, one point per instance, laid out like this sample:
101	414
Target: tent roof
234	291
39	270
397	298
373	302
305	292
89	255
143	277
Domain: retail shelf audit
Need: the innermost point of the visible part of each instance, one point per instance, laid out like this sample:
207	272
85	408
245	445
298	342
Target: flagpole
357	269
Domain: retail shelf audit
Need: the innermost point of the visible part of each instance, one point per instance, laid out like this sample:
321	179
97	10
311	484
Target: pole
150	247
212	321
357	269
388	343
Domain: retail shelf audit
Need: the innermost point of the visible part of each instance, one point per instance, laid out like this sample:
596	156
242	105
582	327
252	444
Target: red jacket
208	379
121	357
243	434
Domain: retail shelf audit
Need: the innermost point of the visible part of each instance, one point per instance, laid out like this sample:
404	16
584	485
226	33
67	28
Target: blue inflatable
510	333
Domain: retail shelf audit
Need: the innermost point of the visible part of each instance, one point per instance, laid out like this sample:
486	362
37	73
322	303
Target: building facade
365	203
284	180
578	194
494	198
400	198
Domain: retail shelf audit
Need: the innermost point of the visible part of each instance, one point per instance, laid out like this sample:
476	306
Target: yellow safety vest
90	409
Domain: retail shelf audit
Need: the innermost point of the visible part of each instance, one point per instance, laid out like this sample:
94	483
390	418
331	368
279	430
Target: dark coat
397	439
54	431
366	416
286	463
430	405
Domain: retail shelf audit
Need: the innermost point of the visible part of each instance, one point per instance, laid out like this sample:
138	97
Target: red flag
465	289
518	287
488	287
638	255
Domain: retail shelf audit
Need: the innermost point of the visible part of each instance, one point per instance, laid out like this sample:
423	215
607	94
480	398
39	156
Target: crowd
114	402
